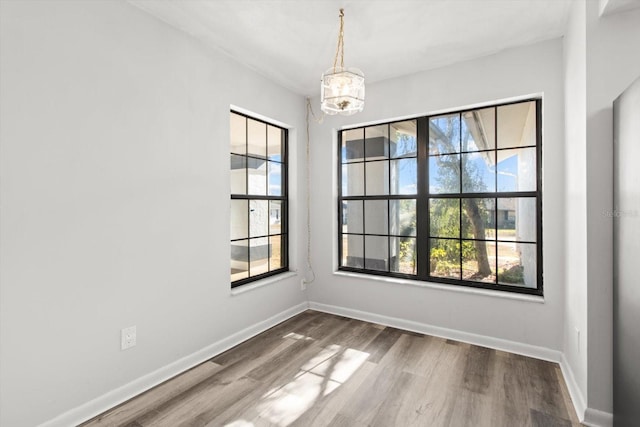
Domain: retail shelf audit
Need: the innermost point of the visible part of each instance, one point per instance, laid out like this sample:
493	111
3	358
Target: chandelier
342	89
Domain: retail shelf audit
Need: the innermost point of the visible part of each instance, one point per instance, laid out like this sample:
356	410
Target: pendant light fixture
342	89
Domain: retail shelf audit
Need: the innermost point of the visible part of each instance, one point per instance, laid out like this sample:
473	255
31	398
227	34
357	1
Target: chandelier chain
340	48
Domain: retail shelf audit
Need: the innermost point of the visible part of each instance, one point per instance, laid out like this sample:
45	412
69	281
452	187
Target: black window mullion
246	155
266	158
495	219
254	197
388	233
284	204
249	237
388	157
461	168
495	206
340	200
539	195
423	248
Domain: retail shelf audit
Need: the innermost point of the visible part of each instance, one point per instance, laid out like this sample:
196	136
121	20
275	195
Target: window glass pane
444	217
239	260
444	134
517	125
479	261
239	219
258	218
517	169
376	249
376	217
526	219
275	254
478	172
238	128
353	179
403	255
275	216
238	174
275	179
479	130
377	178
352	145
404	176
274	143
352	251
478	219
376	142
403	139
517	219
517	264
444	260
444	174
257	138
402	214
257	174
259	256
352	216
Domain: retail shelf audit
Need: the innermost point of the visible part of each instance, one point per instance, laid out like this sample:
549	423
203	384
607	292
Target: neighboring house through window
258	176
451	198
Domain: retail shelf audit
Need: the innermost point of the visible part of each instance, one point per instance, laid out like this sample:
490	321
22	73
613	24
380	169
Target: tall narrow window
258	175
453	198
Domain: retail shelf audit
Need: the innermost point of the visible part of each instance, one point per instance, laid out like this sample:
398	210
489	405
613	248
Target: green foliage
442	260
406	250
514	274
448	215
407	255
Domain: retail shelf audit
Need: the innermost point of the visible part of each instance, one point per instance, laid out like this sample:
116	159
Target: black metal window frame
283	198
423	198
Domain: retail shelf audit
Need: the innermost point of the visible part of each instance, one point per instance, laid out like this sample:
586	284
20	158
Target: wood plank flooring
317	369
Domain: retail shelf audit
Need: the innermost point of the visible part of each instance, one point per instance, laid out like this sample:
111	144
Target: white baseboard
596	418
587	416
574	391
423	328
115	397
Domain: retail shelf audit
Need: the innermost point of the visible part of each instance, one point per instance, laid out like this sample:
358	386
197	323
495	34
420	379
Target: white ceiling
292	42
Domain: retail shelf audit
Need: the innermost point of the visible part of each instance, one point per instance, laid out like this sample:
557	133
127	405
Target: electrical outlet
303	284
128	338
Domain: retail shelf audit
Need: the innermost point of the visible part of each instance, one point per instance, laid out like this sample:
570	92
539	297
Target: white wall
115	211
600	62
528	70
575	97
613	63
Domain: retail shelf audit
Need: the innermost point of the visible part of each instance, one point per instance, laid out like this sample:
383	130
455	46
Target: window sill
449	288
261	283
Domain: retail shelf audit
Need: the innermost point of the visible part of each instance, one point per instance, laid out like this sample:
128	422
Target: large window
258	199
453	198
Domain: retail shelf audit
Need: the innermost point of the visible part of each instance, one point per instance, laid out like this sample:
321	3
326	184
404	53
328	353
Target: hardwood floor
317	369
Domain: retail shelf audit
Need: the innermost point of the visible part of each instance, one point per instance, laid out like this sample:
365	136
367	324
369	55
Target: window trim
284	198
423	197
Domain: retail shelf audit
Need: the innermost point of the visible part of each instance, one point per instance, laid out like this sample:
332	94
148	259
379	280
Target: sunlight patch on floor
295	336
317	378
239	423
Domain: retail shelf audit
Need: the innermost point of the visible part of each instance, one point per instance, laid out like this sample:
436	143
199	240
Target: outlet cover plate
128	337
